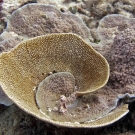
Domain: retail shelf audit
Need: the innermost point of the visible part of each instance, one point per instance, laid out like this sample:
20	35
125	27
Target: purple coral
122	60
34	20
118	46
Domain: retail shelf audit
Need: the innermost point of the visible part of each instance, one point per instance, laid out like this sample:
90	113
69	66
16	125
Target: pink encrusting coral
118	46
101	102
122	60
34	20
31	62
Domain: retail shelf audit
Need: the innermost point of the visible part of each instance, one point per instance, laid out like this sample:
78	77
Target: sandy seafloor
14	121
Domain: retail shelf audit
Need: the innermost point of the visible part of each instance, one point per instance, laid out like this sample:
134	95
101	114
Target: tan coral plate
68	66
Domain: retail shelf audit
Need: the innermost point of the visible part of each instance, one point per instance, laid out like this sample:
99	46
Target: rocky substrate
14	121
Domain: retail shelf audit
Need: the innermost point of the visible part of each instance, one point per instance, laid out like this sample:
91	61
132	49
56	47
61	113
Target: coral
7	7
117	45
55	87
93	11
87	108
17	32
39	19
104	7
116	33
31	61
122	60
90	11
51	100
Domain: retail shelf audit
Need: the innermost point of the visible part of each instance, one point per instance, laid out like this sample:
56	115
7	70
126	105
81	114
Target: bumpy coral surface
27	22
56	97
117	45
91	11
31	61
94	10
39	19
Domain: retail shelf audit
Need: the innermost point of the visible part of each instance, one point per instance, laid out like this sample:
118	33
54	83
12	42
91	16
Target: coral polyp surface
118	45
26	22
30	62
57	98
39	19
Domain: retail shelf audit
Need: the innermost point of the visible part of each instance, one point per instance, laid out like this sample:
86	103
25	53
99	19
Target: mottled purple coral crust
122	60
118	46
39	19
88	107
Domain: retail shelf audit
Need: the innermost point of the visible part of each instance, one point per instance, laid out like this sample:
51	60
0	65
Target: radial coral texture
31	61
39	19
